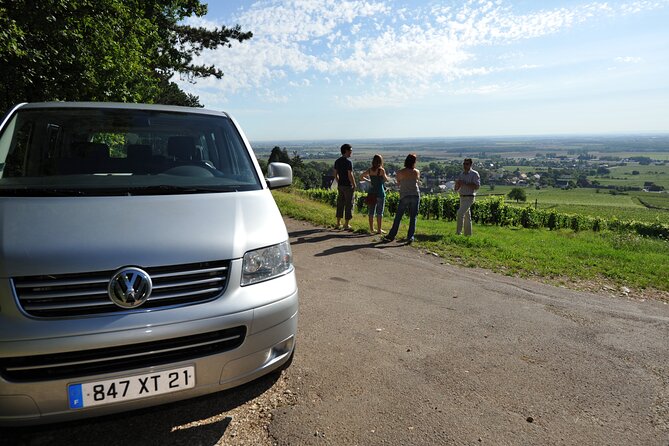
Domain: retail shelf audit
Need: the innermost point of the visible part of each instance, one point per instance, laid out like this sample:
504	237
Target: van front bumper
269	344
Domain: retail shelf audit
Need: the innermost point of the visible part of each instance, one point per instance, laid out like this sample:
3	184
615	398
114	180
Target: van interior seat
139	153
183	148
140	157
89	150
85	157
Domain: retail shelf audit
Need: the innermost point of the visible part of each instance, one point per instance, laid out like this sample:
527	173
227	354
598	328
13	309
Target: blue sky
402	69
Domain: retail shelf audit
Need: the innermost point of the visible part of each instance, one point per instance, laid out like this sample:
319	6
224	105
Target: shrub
495	211
517	194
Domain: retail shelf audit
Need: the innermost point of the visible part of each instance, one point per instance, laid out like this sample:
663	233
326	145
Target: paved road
398	348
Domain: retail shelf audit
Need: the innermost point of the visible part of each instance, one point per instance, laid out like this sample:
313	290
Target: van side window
17	157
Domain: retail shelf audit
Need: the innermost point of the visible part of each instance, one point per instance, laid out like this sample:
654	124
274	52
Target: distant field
623	176
620	175
661	156
660	201
587	201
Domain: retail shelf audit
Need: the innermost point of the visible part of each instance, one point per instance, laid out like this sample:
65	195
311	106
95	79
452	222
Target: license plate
130	387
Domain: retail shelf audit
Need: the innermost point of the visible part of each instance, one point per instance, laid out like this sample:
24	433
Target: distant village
566	170
549	170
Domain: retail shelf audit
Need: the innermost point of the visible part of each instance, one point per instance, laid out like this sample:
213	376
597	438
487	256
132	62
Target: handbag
370	199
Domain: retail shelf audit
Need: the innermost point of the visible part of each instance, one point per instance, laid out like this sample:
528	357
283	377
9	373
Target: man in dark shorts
343	173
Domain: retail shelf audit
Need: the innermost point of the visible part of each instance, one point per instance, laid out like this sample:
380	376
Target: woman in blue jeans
407	180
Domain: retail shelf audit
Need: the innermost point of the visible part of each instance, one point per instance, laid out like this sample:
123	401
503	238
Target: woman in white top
408	180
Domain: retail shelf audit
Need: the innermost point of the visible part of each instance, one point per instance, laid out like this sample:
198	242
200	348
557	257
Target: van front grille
120	358
66	295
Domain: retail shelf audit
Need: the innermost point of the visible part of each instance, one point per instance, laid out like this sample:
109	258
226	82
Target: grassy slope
560	257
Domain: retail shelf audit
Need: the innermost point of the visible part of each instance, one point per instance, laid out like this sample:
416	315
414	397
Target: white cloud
391	96
394	55
301	83
272	96
628	59
642	5
480	90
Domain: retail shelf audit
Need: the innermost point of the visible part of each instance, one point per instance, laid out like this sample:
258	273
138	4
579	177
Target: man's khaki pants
464	216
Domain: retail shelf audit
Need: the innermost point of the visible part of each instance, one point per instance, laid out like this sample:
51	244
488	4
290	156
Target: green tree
296	160
279	155
518	194
642	160
169	93
263	165
103	50
308	174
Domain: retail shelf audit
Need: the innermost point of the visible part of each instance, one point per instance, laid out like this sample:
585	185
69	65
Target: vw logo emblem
129	287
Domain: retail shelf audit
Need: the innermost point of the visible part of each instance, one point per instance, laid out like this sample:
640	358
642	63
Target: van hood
57	235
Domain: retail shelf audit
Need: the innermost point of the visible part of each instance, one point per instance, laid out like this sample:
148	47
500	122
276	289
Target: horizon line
413	138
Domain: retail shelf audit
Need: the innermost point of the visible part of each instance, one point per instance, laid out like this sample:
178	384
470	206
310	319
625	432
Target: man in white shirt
467	183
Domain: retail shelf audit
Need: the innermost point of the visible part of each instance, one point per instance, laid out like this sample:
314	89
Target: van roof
121	106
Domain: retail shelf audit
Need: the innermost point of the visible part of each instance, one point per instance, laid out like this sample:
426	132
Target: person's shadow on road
318	235
321	235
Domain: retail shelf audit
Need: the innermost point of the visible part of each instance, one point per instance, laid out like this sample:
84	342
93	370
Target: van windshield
122	151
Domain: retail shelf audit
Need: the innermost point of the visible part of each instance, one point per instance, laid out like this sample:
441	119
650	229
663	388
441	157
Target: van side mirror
279	175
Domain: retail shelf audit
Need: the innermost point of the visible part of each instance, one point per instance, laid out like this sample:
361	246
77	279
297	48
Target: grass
559	257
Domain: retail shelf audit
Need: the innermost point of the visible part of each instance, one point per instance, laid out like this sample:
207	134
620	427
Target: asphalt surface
399	347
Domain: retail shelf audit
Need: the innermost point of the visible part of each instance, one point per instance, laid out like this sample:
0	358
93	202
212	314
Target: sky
345	70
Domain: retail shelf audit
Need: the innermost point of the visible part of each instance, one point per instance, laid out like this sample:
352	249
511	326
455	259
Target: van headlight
266	263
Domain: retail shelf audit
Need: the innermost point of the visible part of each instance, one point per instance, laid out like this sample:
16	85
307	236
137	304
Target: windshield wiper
167	189
42	192
162	189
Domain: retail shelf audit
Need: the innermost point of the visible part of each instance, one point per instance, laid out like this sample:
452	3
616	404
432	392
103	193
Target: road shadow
196	421
398	243
379	244
318	235
306	232
321	235
404	242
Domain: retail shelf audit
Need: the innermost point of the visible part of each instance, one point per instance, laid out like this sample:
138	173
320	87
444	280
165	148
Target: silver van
143	260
